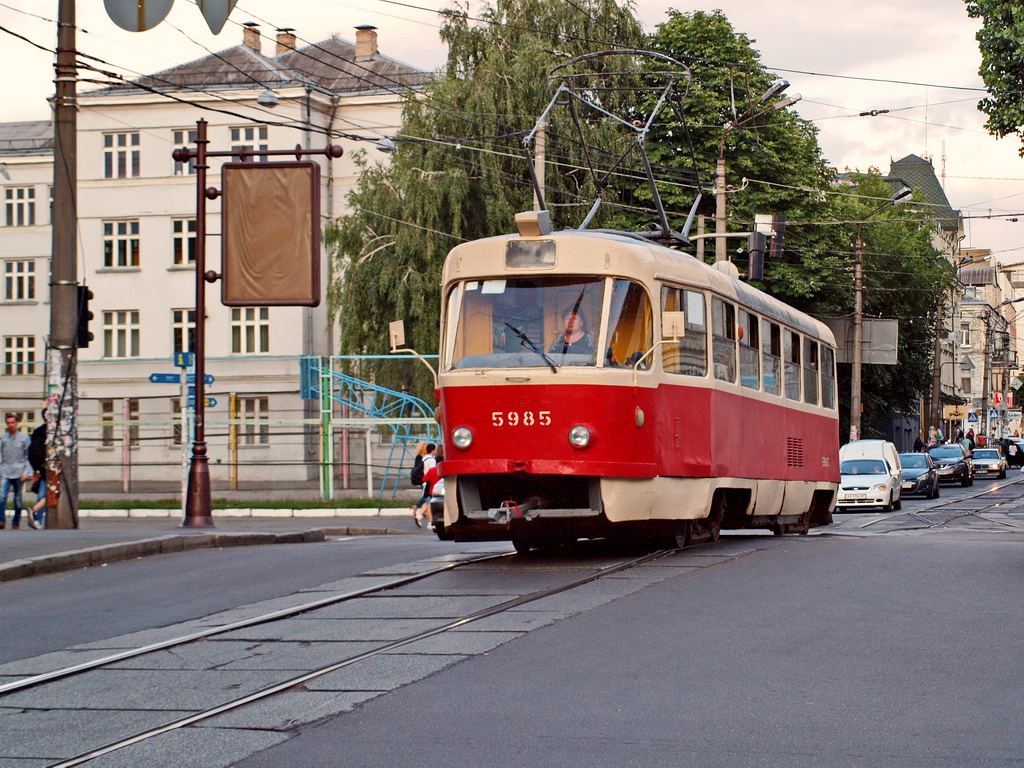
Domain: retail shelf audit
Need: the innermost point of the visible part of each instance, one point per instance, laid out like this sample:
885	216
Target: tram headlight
462	437
579	436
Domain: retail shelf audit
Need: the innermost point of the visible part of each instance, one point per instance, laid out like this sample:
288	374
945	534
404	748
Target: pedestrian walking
15	469
37	458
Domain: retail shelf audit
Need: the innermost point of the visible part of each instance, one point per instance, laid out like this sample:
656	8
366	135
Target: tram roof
658	261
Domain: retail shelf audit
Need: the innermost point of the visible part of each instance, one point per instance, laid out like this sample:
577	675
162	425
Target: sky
918	59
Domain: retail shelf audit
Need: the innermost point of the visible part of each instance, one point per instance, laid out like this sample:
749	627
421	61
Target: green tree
778	155
460	172
1001	41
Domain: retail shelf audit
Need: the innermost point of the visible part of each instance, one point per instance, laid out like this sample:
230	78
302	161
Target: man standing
14	468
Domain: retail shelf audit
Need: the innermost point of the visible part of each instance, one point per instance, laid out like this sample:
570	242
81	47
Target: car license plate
908	485
856	496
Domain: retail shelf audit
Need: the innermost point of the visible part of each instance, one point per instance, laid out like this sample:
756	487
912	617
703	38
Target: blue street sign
191	378
972	418
183	359
165	378
993	414
208	402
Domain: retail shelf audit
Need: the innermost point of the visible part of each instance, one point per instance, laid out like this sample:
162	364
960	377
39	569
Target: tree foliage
1001	41
460	172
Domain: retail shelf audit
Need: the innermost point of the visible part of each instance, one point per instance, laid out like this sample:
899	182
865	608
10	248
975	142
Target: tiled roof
329	65
918	173
28	138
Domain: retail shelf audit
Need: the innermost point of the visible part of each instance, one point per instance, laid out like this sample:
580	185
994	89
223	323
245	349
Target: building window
250	330
176	421
107	423
121	243
965	334
965	385
184	241
20	206
121	333
251	137
132	407
120	155
183	330
254	412
20	280
19	355
181	139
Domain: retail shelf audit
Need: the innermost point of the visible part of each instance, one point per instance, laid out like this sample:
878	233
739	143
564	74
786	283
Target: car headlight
579	436
462	437
880	487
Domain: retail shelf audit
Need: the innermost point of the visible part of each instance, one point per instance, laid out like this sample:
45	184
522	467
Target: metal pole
197	505
858	337
985	384
720	254
62	395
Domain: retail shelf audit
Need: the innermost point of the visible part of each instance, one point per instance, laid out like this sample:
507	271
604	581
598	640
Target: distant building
136	248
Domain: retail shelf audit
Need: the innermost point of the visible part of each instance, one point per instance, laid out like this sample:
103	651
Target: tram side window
772	350
811	372
750	351
791	362
828	377
690	356
630	323
723	339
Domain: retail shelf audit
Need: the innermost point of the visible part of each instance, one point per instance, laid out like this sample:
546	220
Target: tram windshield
530	322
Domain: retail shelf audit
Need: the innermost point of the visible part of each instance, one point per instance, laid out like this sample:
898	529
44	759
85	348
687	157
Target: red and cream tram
597	384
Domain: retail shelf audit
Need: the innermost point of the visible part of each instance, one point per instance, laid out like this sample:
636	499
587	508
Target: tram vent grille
794	451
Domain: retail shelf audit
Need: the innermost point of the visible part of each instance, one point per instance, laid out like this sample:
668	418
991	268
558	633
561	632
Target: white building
136	240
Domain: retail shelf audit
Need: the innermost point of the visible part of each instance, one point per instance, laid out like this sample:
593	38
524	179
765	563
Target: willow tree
459	172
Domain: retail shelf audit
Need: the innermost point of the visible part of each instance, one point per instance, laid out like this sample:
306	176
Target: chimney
251	35
366	42
285	40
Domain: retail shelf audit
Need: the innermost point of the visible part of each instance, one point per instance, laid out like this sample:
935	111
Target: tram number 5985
517	418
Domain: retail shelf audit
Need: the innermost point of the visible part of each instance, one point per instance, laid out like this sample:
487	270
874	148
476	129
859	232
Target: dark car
953	464
920	477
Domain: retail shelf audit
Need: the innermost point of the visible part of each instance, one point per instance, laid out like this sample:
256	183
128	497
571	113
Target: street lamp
858	314
739	122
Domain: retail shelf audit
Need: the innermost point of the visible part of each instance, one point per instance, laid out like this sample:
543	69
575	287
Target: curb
109	553
252	512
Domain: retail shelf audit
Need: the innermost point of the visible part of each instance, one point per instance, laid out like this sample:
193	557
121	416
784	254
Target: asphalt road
823	651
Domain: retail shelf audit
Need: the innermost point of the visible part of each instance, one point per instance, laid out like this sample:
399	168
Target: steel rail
283	613
952	502
320	672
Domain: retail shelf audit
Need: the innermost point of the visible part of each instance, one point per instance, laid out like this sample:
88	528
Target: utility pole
858	337
720	253
62	376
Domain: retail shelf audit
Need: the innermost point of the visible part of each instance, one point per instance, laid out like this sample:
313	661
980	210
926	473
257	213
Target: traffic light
756	244
84	335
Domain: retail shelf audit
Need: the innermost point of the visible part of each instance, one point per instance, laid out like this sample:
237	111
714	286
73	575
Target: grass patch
358	503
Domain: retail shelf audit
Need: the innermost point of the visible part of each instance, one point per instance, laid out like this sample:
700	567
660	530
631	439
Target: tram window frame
828	377
750	350
771	356
791	367
811	367
689	355
723	339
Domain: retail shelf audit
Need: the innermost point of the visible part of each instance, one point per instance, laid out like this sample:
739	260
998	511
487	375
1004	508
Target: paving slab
316	630
192	748
383	673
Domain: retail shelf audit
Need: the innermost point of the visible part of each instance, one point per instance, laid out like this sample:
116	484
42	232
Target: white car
868	483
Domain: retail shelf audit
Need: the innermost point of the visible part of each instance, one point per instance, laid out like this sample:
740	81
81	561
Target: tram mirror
396	332
673	325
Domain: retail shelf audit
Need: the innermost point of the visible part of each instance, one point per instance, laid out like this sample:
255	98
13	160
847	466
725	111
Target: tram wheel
522	546
710	527
678	540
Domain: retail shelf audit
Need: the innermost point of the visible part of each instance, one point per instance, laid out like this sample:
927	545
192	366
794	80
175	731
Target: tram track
949	512
294	681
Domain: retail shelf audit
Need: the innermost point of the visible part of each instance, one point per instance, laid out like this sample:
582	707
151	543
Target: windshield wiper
527	343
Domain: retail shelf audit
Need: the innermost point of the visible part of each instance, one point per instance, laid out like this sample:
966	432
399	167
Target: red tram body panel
593	383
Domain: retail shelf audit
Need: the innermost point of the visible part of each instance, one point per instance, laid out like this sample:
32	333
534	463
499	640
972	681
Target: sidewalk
105	536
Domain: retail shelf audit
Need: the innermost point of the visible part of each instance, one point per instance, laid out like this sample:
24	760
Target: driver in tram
576	339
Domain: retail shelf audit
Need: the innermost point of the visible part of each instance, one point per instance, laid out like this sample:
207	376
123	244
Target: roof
34	137
329	65
919	174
